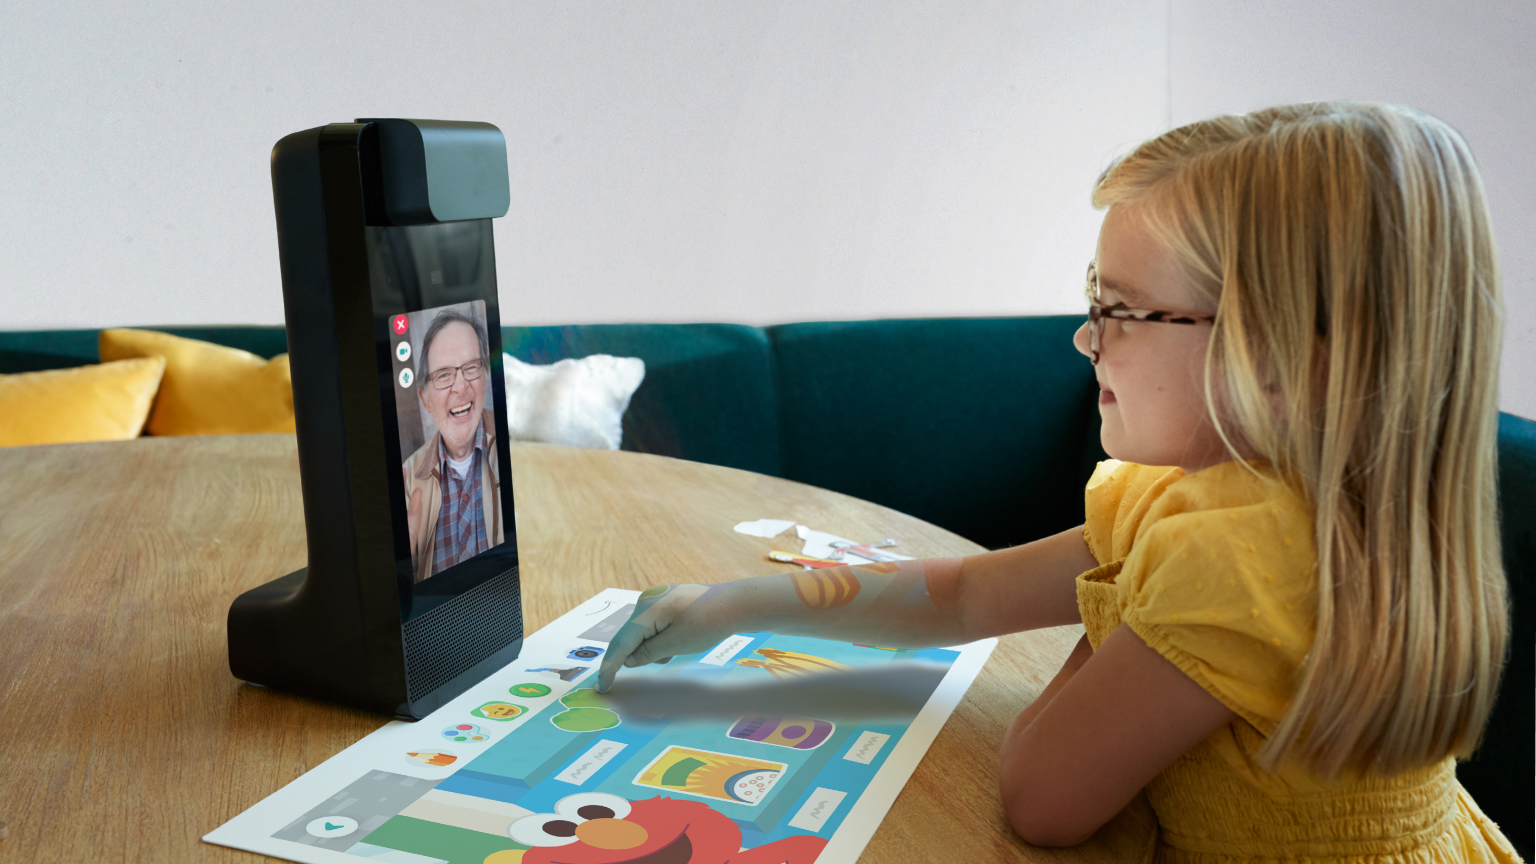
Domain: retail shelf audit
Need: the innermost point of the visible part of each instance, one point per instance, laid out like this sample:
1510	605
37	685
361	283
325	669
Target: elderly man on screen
452	485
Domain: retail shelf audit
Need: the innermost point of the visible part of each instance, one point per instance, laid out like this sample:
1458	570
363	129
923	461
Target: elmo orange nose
611	833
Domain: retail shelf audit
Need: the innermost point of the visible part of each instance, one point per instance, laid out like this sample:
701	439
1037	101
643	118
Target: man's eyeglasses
1097	312
442	379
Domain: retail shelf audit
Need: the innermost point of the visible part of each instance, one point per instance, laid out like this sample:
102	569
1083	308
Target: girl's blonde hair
1356	348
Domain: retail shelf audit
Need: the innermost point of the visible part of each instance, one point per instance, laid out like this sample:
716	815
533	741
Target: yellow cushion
108	402
209	389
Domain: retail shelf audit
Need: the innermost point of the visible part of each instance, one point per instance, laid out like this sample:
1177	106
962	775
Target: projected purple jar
801	733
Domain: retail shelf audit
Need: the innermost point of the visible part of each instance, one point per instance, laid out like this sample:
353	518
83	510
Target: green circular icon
529	691
585	719
586	697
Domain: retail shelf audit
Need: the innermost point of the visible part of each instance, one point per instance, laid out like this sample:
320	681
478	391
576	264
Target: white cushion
578	403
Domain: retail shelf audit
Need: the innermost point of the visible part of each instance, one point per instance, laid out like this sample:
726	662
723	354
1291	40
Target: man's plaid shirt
461	522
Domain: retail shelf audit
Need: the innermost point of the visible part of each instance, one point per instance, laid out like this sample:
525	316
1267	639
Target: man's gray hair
443	319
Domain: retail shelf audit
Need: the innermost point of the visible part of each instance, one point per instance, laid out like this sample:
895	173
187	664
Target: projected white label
722	653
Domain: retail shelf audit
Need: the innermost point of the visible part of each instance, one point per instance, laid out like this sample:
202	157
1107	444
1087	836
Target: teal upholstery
1500	774
708	393
36	350
985	426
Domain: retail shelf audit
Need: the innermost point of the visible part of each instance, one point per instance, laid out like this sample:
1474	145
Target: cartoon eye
592	805
544	829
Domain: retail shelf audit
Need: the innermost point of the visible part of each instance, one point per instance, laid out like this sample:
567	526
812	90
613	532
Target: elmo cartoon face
597	828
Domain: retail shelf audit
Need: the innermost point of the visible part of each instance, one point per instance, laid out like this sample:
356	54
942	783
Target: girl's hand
667	621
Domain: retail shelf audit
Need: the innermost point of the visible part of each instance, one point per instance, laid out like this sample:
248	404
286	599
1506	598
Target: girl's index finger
629	638
623	644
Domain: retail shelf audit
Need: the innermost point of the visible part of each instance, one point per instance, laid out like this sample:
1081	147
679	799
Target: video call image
445	404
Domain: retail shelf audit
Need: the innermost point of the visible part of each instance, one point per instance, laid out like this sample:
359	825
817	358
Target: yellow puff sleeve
1222	581
1116	500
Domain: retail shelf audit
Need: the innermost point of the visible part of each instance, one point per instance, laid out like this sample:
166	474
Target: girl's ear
1251	418
1281	404
1277	406
1319	371
1320	360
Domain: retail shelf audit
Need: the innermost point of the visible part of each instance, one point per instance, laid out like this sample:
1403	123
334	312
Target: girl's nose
1080	340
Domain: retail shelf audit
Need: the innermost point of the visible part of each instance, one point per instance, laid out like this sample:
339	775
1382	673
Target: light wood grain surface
125	738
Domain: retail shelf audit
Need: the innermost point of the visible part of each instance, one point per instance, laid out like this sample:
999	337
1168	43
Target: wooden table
125	738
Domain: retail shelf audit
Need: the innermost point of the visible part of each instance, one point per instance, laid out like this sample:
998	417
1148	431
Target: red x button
401	325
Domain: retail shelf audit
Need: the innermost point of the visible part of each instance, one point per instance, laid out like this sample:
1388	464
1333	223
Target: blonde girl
1288	575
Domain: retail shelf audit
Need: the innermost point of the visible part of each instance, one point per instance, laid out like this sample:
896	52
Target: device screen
434	294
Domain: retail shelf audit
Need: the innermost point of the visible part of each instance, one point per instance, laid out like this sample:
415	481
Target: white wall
748	161
671	161
1472	65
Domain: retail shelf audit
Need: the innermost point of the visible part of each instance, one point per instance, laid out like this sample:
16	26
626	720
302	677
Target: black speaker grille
452	638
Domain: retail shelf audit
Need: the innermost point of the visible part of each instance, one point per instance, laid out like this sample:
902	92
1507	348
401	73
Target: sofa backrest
36	350
1499	774
708	393
985	426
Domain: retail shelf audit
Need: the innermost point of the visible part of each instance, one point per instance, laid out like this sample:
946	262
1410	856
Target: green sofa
985	426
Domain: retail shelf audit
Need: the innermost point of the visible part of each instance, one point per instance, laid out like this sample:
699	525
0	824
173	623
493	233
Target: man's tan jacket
422	472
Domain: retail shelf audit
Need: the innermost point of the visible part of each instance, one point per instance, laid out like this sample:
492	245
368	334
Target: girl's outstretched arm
1119	719
908	604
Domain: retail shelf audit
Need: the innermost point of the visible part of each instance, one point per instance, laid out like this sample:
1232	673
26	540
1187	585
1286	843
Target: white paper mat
531	736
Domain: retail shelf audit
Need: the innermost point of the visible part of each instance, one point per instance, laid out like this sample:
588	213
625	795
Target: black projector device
411	595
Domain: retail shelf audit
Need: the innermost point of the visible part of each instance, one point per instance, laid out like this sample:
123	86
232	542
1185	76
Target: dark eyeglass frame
476	366
1097	312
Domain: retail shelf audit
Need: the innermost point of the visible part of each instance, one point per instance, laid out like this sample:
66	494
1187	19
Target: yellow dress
1216	571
